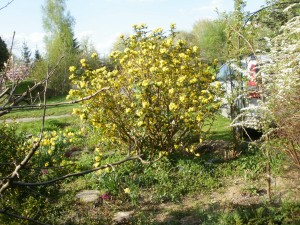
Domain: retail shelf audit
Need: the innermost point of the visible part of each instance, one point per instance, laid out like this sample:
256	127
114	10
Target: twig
143	161
7	4
45	100
251	15
54	104
245	39
3	211
49	167
4	92
79	173
15	173
4	110
12	43
247	134
5	185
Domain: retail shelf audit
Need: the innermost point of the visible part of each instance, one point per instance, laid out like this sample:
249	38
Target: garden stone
88	195
191	220
121	217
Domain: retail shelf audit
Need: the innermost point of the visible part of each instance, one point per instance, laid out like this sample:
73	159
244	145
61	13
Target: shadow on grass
288	213
224	135
55	124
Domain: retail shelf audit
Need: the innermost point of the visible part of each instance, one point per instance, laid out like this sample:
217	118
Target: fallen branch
3	211
15	173
4	92
5	184
79	173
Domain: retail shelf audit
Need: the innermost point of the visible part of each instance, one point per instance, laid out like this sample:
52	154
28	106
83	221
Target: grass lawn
33	127
220	129
51	111
178	189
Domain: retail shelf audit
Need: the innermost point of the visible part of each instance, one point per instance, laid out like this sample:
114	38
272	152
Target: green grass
169	180
220	129
215	214
31	113
174	179
24	85
51	110
34	127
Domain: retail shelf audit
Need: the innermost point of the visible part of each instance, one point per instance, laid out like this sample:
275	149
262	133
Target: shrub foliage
160	93
283	84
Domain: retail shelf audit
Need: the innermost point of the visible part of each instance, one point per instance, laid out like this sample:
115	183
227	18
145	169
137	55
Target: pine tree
4	54
26	54
37	56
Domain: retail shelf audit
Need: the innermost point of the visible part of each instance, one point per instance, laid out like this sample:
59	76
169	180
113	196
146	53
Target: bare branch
12	43
79	173
45	100
6	109
3	211
54	104
4	92
15	173
82	99
267	7
48	167
7	4
242	36
6	183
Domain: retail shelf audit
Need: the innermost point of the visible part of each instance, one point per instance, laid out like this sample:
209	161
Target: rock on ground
88	195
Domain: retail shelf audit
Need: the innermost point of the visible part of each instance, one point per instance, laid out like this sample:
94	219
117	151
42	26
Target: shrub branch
138	157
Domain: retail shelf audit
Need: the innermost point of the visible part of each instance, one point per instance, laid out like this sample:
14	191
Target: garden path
29	119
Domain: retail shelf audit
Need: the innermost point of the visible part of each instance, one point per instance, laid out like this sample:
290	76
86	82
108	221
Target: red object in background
252	85
253	70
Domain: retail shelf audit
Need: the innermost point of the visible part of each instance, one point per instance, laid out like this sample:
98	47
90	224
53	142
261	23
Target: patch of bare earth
235	191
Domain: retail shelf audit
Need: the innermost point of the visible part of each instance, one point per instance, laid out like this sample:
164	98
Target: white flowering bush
160	93
283	88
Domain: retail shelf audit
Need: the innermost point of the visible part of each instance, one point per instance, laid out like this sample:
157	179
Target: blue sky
102	21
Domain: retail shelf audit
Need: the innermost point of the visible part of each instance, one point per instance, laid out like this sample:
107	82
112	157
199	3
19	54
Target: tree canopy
210	37
4	54
60	41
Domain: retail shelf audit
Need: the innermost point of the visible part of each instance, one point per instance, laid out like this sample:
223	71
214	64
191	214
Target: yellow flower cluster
94	55
52	146
159	89
98	157
127	190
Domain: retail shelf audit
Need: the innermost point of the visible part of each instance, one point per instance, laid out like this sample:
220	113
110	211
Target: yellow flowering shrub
160	93
54	149
11	147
